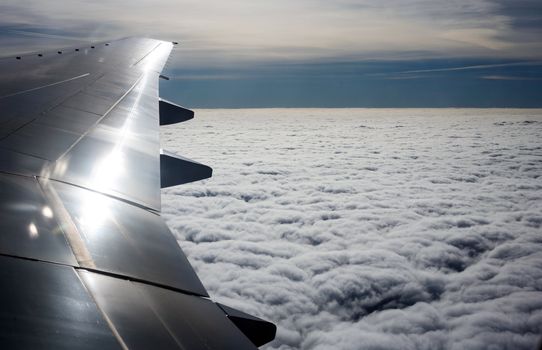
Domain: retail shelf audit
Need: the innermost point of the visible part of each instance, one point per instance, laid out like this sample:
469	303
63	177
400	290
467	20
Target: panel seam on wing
71	233
104	314
147	54
99	120
110	274
112	194
44	86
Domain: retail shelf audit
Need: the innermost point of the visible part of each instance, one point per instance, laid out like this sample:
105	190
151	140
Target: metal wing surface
86	259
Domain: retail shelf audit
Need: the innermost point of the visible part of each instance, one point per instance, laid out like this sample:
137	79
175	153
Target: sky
314	53
348	228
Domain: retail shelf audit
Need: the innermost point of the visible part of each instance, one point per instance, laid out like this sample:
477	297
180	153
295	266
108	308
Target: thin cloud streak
481	66
508	77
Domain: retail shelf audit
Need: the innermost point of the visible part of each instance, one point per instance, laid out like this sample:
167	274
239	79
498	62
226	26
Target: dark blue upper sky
314	53
419	83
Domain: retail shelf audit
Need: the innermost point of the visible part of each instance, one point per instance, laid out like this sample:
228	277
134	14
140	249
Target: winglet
177	170
171	113
259	332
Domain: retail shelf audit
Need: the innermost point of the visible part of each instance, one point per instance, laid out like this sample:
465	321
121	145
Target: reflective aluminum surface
195	322
81	125
84	110
143	314
124	239
68	119
23	164
21	108
28	224
120	156
127	308
90	119
45	306
40	141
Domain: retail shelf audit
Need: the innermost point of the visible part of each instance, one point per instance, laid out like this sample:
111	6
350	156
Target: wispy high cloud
475	67
241	30
508	77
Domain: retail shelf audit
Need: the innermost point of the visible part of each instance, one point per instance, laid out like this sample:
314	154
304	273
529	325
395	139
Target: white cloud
216	31
368	229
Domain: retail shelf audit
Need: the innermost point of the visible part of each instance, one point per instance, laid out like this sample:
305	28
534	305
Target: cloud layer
369	229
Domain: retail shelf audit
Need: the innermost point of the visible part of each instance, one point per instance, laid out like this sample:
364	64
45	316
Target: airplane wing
86	260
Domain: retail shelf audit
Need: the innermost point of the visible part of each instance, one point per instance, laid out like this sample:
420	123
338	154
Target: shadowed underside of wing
86	259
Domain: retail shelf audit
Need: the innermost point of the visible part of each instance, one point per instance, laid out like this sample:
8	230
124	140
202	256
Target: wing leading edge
87	261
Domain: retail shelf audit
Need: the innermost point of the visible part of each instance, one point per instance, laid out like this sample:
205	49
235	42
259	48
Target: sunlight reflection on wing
111	169
33	230
106	172
47	212
95	212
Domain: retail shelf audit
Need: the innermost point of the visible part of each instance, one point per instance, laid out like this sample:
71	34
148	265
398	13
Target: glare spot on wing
95	212
33	230
47	212
106	172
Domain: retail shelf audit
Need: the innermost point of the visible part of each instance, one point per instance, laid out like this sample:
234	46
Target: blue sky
301	53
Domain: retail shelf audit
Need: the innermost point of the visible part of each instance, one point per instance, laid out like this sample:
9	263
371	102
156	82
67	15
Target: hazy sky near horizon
301	53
